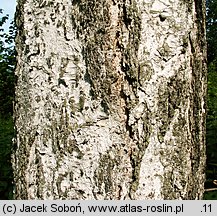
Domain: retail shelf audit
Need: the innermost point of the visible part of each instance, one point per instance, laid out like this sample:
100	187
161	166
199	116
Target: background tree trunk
110	99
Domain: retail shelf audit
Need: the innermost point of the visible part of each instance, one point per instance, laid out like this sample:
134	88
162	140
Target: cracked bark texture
110	99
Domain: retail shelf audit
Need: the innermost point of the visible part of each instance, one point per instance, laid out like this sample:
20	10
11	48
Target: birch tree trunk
110	99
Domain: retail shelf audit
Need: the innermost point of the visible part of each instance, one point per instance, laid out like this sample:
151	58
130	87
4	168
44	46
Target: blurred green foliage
6	177
211	195
7	65
211	25
211	124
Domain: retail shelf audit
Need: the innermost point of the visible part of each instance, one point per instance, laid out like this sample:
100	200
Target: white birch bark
110	99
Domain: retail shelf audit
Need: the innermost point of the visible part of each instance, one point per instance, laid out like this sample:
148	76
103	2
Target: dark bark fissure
170	98
100	80
198	76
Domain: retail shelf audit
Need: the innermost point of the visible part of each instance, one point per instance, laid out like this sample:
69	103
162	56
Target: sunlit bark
110	99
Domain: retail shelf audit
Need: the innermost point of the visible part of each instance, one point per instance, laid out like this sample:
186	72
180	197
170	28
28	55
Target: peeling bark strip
110	99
